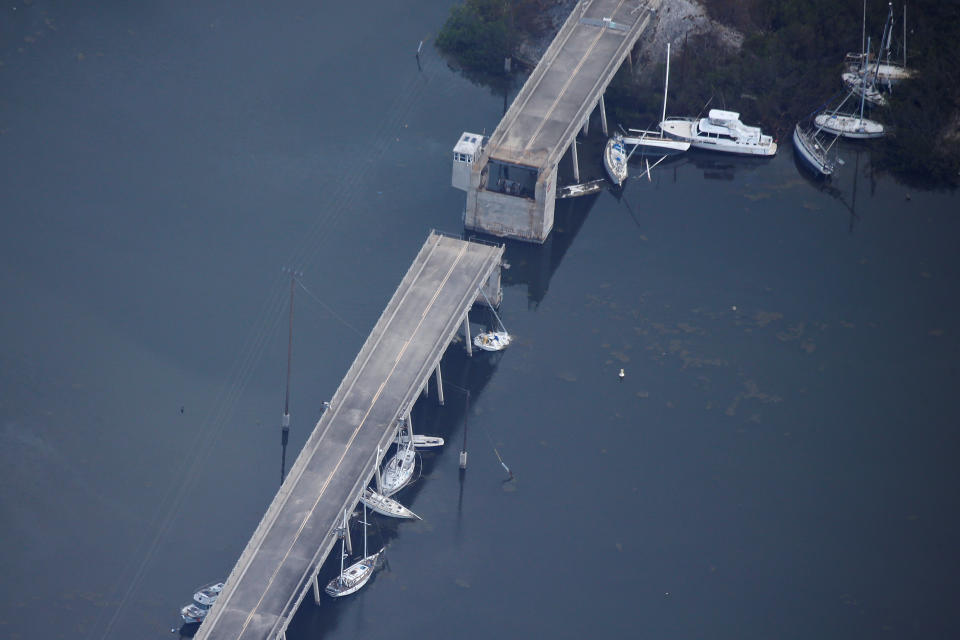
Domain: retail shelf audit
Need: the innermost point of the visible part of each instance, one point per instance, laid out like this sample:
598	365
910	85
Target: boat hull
810	156
685	129
850	126
854	83
398	472
615	162
354	577
654	142
386	506
491	341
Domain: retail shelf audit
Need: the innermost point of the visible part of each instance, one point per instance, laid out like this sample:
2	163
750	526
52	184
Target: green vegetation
789	65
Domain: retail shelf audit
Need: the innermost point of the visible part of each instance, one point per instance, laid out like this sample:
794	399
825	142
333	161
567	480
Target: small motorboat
492	340
203	599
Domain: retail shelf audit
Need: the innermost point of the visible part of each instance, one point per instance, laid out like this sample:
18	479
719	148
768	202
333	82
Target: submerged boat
385	506
203	599
359	573
492	340
720	131
814	154
615	161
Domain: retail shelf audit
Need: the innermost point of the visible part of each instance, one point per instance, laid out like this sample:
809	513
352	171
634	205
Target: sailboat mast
286	403
904	35
863	36
863	87
666	83
364	529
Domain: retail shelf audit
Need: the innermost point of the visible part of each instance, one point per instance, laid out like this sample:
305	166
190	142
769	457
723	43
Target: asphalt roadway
568	81
276	569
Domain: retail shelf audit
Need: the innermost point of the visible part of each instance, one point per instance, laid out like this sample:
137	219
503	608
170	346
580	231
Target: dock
513	177
280	563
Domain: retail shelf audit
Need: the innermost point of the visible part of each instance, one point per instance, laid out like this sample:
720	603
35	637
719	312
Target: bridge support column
316	590
409	426
603	116
466	333
576	164
426	389
586	127
439	387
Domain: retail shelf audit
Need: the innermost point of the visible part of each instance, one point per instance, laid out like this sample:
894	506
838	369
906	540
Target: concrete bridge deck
568	81
281	560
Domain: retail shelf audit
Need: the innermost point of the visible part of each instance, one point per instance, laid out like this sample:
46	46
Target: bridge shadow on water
460	373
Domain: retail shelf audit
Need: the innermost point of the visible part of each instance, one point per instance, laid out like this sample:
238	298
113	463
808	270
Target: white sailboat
720	131
380	503
847	125
812	151
385	506
887	72
656	142
615	161
500	340
421	441
359	573
399	470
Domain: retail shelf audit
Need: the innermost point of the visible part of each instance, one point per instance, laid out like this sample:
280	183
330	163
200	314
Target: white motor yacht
720	131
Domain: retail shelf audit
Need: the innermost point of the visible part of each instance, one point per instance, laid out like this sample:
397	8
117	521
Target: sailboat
812	151
500	340
654	141
399	470
887	71
381	503
851	126
421	441
615	161
359	573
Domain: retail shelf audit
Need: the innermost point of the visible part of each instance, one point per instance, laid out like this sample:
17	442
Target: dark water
779	460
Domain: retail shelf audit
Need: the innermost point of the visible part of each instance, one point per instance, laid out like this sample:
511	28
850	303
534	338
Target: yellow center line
353	436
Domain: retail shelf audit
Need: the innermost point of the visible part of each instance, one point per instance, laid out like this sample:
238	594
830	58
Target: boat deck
276	569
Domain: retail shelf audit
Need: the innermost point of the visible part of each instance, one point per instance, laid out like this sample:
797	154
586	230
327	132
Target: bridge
512	181
280	563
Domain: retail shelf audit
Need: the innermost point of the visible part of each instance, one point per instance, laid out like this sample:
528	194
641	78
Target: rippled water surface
778	461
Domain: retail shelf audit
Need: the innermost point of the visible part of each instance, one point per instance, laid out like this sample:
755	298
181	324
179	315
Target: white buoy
621	374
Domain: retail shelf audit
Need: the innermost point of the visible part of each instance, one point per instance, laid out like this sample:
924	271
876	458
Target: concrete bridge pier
466	335
603	117
439	387
576	164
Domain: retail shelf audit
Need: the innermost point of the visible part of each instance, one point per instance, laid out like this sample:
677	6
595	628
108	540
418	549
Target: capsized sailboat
359	573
